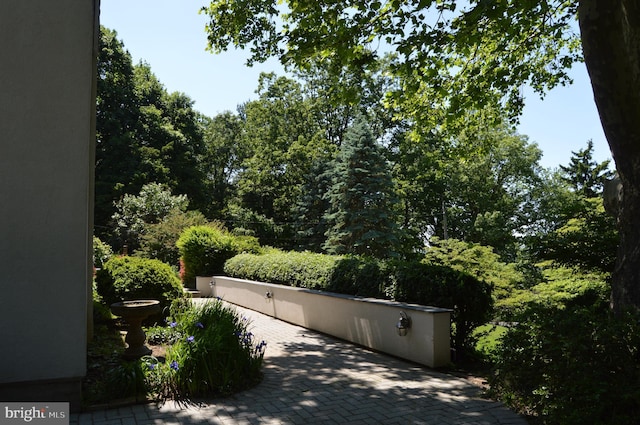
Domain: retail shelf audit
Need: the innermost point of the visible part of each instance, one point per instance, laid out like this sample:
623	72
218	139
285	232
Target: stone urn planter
134	312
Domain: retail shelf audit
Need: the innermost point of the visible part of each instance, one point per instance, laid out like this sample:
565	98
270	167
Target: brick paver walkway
313	378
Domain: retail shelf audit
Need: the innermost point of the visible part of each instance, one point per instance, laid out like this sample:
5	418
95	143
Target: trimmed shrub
360	276
205	249
158	240
299	269
411	282
441	286
130	278
349	275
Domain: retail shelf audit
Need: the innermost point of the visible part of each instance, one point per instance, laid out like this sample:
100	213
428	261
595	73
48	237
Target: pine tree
361	199
585	175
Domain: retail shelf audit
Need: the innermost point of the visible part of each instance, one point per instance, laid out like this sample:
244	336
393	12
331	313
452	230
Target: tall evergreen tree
361	217
585	175
583	234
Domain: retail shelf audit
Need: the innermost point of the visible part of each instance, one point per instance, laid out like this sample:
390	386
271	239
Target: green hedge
442	286
204	250
335	273
130	278
410	282
299	269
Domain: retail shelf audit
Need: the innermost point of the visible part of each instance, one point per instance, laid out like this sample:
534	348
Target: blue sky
169	36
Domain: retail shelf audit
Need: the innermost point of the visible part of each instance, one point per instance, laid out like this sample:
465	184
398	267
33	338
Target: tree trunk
610	31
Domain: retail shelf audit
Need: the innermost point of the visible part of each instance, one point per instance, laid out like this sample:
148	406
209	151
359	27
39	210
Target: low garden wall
365	321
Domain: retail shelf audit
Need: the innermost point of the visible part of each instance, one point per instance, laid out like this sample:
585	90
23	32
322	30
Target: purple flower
260	347
173	324
191	338
199	325
151	366
174	365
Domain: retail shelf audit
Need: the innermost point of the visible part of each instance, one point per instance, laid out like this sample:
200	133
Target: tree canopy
144	134
451	57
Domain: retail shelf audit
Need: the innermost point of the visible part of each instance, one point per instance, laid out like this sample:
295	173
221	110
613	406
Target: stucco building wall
47	127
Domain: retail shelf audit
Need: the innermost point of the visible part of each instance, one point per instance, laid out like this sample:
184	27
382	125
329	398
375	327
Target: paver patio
314	378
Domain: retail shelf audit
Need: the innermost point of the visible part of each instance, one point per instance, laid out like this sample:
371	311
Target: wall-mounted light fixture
403	325
268	295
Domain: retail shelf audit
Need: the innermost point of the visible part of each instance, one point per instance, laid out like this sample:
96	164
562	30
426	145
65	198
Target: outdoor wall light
403	325
268	295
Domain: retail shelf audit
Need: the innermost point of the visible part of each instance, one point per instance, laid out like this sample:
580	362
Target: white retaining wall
365	321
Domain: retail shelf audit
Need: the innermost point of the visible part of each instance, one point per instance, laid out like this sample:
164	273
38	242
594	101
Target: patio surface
312	378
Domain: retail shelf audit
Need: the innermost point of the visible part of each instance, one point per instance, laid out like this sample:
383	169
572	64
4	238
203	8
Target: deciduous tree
453	57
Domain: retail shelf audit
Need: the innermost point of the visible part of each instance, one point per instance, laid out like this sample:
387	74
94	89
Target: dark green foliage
477	260
361	199
143	133
280	139
104	356
581	233
224	153
299	269
559	285
126	380
312	205
131	278
204	250
586	176
116	122
214	354
159	239
572	364
588	239
360	276
135	212
335	273
102	252
441	286
410	282
350	275
251	223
